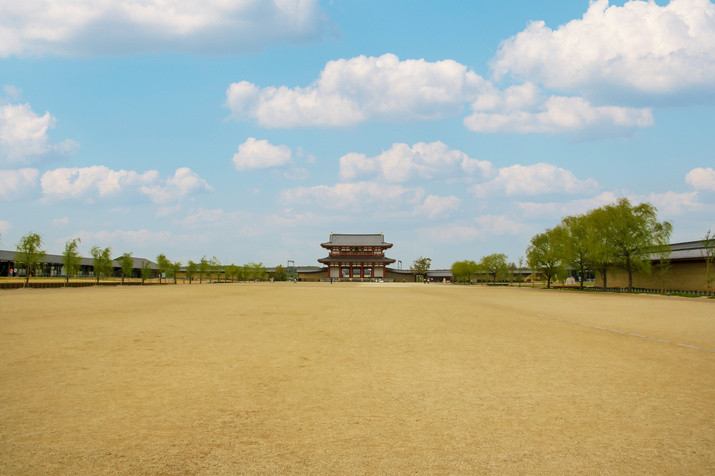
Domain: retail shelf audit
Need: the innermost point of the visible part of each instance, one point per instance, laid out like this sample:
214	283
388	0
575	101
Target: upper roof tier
376	239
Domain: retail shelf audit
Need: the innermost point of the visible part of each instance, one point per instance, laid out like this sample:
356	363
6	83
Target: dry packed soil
350	378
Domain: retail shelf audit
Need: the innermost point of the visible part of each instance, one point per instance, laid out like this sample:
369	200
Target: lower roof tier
357	259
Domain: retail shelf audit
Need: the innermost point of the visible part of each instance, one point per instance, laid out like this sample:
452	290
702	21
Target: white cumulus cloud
114	27
671	203
571	207
184	182
372	197
435	206
701	178
534	179
355	196
351	91
558	114
87	182
99	181
499	225
261	154
640	46
402	163
15	183
23	134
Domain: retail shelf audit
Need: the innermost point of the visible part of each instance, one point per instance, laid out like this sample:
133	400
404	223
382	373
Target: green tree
576	244
146	271
545	254
163	264
494	265
215	268
464	271
280	274
174	269
204	268
601	251
70	259
708	253
634	231
126	263
255	271
421	266
101	261
191	270
29	253
230	272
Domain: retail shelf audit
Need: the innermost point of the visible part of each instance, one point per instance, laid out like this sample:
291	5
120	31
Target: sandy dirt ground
351	378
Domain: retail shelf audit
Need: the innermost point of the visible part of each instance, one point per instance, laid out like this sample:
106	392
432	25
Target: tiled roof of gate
356	259
376	239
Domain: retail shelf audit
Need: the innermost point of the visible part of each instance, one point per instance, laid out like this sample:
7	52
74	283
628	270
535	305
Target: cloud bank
118	27
99	181
23	135
639	46
351	91
401	163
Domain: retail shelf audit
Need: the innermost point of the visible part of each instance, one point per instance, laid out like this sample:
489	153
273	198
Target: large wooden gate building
356	256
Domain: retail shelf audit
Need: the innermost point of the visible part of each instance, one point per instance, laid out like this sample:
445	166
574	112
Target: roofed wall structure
687	271
52	265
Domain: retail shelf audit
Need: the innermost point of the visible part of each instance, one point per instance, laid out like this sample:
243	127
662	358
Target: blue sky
250	130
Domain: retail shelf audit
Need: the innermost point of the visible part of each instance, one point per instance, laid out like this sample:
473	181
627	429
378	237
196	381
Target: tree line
30	255
493	267
620	235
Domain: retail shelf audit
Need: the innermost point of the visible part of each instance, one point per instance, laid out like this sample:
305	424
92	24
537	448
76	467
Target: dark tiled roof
361	259
688	250
356	240
400	271
439	273
6	255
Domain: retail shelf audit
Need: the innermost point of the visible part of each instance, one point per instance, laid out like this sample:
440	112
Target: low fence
640	290
62	284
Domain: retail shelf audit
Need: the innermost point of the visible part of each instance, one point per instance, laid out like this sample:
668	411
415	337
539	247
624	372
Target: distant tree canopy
204	268
174	270
280	274
618	234
255	271
215	268
146	271
191	269
29	253
163	264
494	265
71	259
126	263
464	271
545	254
421	266
101	261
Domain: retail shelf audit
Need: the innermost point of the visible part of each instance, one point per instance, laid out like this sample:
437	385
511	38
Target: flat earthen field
351	378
